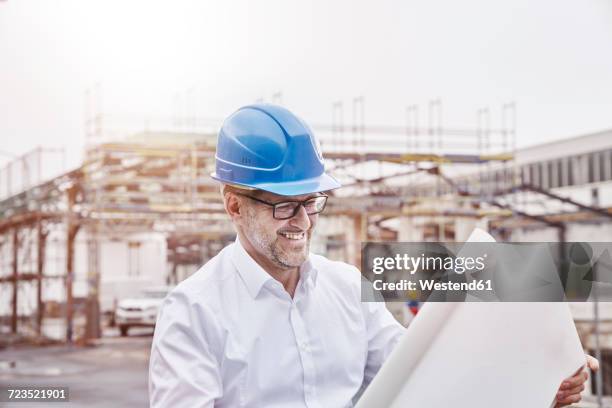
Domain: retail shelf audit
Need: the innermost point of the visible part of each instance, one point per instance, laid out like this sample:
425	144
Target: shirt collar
255	277
308	272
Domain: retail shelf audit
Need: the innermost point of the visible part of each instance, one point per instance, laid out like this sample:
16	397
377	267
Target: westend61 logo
507	272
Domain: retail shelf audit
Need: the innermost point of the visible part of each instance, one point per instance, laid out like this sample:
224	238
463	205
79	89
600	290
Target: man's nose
301	219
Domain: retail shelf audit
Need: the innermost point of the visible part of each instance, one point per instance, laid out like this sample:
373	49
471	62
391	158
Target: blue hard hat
266	147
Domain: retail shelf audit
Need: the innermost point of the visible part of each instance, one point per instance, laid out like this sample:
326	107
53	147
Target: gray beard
277	255
272	249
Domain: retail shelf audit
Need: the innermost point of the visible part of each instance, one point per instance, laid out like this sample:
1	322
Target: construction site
141	209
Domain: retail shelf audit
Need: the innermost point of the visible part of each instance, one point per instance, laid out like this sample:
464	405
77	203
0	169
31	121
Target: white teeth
295	236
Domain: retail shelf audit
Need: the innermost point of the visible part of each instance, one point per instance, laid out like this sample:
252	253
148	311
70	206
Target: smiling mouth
295	236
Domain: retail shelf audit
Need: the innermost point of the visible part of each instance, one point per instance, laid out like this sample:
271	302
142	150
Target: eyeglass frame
297	207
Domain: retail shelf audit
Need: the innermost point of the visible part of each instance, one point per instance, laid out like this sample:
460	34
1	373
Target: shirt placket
305	351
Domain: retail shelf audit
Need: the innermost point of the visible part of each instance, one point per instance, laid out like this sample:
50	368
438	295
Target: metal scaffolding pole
15	279
92	330
71	230
40	265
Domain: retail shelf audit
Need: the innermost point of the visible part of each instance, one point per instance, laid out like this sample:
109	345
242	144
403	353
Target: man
265	323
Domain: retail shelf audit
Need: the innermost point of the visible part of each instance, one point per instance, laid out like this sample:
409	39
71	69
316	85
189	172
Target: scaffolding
156	178
120	188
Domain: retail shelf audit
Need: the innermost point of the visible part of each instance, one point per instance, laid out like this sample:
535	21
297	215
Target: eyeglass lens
290	208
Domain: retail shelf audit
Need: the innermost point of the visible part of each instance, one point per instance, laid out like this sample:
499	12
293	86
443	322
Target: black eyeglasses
288	209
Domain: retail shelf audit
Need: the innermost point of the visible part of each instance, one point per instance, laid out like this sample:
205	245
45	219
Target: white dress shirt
231	336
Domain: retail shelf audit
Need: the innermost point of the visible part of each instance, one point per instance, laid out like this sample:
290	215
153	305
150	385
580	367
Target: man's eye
311	205
285	206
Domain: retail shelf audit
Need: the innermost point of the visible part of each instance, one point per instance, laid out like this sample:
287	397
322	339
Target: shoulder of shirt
203	285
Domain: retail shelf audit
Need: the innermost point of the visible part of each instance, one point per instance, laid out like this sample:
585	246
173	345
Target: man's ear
233	206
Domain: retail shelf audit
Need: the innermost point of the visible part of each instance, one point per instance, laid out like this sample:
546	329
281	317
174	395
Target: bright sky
554	58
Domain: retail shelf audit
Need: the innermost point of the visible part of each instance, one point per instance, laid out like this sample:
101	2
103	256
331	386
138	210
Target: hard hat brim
318	184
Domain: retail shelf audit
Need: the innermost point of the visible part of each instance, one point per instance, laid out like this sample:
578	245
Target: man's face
278	243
